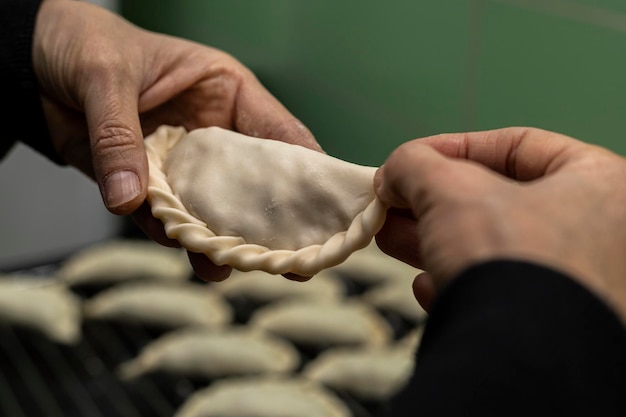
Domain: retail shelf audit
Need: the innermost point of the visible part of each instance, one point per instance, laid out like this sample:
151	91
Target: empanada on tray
323	324
116	261
369	374
202	352
160	304
263	396
41	303
259	204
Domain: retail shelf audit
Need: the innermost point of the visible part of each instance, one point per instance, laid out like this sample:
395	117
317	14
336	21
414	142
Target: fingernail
121	187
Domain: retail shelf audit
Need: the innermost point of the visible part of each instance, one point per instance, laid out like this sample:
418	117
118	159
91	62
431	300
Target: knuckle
228	68
106	66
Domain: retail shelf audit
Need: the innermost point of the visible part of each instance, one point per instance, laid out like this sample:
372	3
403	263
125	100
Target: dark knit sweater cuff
23	118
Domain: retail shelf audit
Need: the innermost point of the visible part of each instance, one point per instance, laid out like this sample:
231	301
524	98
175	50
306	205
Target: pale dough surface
44	304
324	324
368	374
214	353
158	303
264	397
120	260
260	204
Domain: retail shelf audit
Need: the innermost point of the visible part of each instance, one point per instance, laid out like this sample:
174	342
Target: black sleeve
22	116
516	339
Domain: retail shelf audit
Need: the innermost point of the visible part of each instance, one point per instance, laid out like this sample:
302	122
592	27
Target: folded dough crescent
259	204
263	396
41	303
371	375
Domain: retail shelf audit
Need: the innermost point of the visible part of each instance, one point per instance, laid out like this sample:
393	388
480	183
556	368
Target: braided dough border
196	236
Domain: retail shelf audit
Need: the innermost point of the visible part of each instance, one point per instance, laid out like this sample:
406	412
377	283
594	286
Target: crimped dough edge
196	236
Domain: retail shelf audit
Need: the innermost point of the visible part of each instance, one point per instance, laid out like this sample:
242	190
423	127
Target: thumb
412	176
119	159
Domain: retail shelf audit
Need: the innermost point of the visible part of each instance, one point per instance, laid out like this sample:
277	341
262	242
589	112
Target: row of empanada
174	305
369	373
189	352
49	306
164	297
367	267
346	362
312	324
119	260
321	308
167	305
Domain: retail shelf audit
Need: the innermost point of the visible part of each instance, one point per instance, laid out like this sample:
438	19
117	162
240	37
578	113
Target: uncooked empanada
120	260
261	287
318	324
368	374
264	397
161	304
260	204
214	353
43	304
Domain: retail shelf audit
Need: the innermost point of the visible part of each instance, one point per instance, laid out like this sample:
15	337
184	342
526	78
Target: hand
516	193
106	84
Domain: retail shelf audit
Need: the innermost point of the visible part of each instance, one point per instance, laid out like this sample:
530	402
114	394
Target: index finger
521	153
415	174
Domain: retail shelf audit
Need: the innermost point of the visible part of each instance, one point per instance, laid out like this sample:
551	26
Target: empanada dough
321	325
43	304
264	397
260	204
161	304
368	374
214	353
120	260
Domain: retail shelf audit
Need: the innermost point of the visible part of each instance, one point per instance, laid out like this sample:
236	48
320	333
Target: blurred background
365	77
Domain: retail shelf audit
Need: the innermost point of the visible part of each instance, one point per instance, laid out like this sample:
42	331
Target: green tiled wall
550	71
366	76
